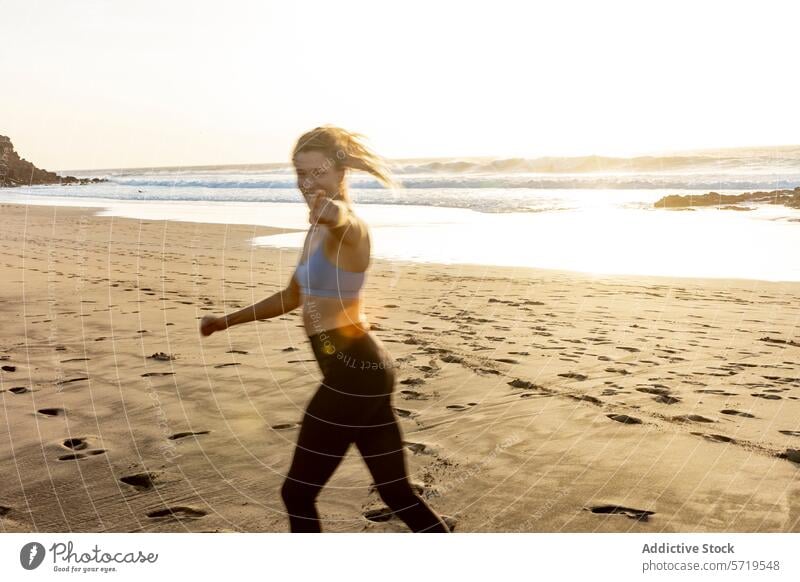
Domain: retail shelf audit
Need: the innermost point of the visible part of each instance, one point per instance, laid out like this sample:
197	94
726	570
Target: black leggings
353	404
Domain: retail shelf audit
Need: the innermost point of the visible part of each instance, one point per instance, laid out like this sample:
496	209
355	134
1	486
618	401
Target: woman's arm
273	306
343	224
282	302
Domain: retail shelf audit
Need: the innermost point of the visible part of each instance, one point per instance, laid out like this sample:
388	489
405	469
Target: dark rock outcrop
16	171
790	198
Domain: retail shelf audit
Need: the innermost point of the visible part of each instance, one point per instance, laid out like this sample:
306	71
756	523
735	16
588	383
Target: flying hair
347	150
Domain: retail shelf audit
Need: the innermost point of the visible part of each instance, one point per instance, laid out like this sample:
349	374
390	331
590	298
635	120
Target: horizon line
667	153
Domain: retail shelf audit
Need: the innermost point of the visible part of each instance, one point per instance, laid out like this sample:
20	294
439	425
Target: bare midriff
324	313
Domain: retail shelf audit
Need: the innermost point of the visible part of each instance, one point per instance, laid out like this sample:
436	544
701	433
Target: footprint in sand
624	418
716	391
792	455
236	352
574	376
457	407
622	371
733	412
692	418
586	398
149	374
659	391
667	399
403	413
52	411
778	341
524	384
766	396
413	395
76	443
419	448
662	395
70	381
177	513
412	381
19	390
637	514
627	349
285	426
83	455
714	438
141	481
183	435
227	365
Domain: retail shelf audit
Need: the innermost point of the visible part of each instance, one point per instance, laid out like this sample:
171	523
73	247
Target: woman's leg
382	449
321	445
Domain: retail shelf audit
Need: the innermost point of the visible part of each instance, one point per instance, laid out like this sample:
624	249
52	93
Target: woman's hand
209	324
327	211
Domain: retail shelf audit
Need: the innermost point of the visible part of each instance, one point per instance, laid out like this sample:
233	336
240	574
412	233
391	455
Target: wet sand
530	400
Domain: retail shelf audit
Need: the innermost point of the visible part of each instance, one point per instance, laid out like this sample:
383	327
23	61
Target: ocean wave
773	160
614	182
786	159
495	202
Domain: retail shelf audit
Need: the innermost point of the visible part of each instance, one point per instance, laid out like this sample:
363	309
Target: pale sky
103	84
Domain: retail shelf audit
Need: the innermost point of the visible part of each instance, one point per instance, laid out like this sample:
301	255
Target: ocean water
590	214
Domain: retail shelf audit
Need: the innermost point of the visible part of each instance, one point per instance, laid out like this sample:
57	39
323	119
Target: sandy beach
530	400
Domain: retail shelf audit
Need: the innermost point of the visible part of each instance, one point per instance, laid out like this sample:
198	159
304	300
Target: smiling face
316	171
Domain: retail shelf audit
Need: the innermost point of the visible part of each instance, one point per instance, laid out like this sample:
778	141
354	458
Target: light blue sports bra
317	276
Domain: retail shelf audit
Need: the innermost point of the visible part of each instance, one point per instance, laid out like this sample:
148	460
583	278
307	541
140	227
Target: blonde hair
347	150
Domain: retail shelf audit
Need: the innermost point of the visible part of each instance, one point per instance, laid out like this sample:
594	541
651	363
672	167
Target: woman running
354	402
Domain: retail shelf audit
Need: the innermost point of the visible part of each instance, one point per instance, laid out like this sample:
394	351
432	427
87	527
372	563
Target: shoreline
528	272
529	399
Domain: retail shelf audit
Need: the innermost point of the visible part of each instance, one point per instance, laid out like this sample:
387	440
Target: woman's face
315	171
